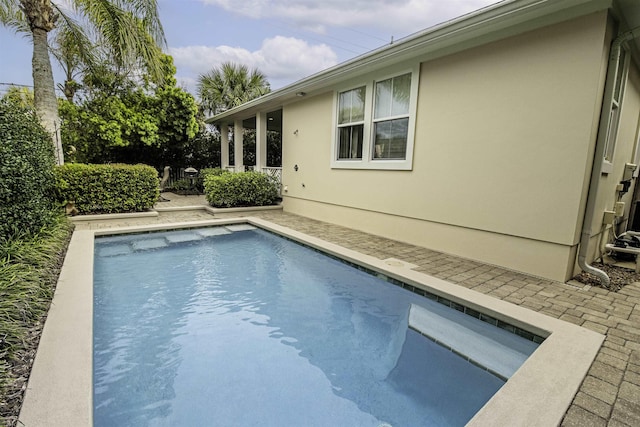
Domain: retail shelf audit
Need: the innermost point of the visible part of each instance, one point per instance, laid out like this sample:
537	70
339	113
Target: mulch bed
19	366
620	277
17	376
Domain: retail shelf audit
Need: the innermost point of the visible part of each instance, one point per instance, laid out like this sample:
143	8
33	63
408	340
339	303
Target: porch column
224	146
237	146
261	141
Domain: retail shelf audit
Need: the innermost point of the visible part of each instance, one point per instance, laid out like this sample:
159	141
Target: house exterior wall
626	151
627	147
504	144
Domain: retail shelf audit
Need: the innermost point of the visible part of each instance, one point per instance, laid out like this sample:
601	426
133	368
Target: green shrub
204	173
185	187
108	188
180	185
212	172
241	189
26	171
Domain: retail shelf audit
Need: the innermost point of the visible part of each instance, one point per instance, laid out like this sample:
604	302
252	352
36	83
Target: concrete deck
610	393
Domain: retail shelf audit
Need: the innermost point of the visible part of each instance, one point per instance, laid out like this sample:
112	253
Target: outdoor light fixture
301	93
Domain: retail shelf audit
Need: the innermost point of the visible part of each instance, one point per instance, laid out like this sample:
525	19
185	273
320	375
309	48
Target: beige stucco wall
503	148
625	152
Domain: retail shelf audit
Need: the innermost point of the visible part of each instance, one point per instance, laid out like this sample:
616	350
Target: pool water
235	326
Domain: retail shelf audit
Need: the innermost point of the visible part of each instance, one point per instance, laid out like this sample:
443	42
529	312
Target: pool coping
155	212
60	388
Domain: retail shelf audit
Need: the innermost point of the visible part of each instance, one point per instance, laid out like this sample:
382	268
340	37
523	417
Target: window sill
400	165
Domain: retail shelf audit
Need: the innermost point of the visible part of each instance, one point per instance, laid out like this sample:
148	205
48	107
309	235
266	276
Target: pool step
122	245
484	345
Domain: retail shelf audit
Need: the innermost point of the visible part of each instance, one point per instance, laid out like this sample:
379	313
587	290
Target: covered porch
237	137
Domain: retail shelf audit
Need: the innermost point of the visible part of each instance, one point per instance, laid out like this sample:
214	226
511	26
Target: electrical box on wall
629	168
618	208
608	218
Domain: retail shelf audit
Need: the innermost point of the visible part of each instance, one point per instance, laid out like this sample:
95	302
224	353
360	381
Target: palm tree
230	85
74	57
131	30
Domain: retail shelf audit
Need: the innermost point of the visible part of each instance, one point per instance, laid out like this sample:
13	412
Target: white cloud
286	59
291	58
400	16
281	59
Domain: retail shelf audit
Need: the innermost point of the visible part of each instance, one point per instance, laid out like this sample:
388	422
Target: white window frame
615	111
350	124
367	161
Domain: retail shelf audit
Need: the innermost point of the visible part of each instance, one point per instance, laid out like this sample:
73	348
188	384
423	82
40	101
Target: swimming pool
239	326
60	387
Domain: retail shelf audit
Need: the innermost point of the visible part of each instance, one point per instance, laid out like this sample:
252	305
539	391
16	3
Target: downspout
596	171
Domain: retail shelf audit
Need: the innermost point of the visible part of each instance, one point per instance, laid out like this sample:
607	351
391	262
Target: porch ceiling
274	121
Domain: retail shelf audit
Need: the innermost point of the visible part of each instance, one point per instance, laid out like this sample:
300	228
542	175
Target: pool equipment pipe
596	171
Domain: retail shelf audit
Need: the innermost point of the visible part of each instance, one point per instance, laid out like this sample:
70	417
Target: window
616	104
391	118
351	123
374	123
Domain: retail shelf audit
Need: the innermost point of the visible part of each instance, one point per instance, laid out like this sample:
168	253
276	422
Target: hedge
112	188
204	173
212	172
27	184
240	189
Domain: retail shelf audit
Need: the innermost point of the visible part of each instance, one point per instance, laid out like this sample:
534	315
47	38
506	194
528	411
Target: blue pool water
244	328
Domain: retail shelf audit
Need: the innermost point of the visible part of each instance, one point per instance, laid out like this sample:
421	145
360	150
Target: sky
286	40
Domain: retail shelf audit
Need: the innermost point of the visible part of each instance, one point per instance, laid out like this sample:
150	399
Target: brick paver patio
609	395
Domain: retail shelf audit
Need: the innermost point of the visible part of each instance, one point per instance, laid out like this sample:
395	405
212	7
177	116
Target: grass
29	268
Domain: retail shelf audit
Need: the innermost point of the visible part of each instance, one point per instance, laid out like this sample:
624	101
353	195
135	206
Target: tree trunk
44	93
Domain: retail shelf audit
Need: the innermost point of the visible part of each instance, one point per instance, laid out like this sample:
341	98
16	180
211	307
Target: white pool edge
60	388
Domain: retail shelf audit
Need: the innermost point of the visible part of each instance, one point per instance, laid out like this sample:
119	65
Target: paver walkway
609	395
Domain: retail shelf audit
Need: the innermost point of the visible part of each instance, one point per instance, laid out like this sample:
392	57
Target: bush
26	171
212	172
186	187
108	188
181	185
204	173
240	189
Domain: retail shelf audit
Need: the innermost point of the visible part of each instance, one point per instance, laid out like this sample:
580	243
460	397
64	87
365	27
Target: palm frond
11	16
71	45
132	36
229	86
148	13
